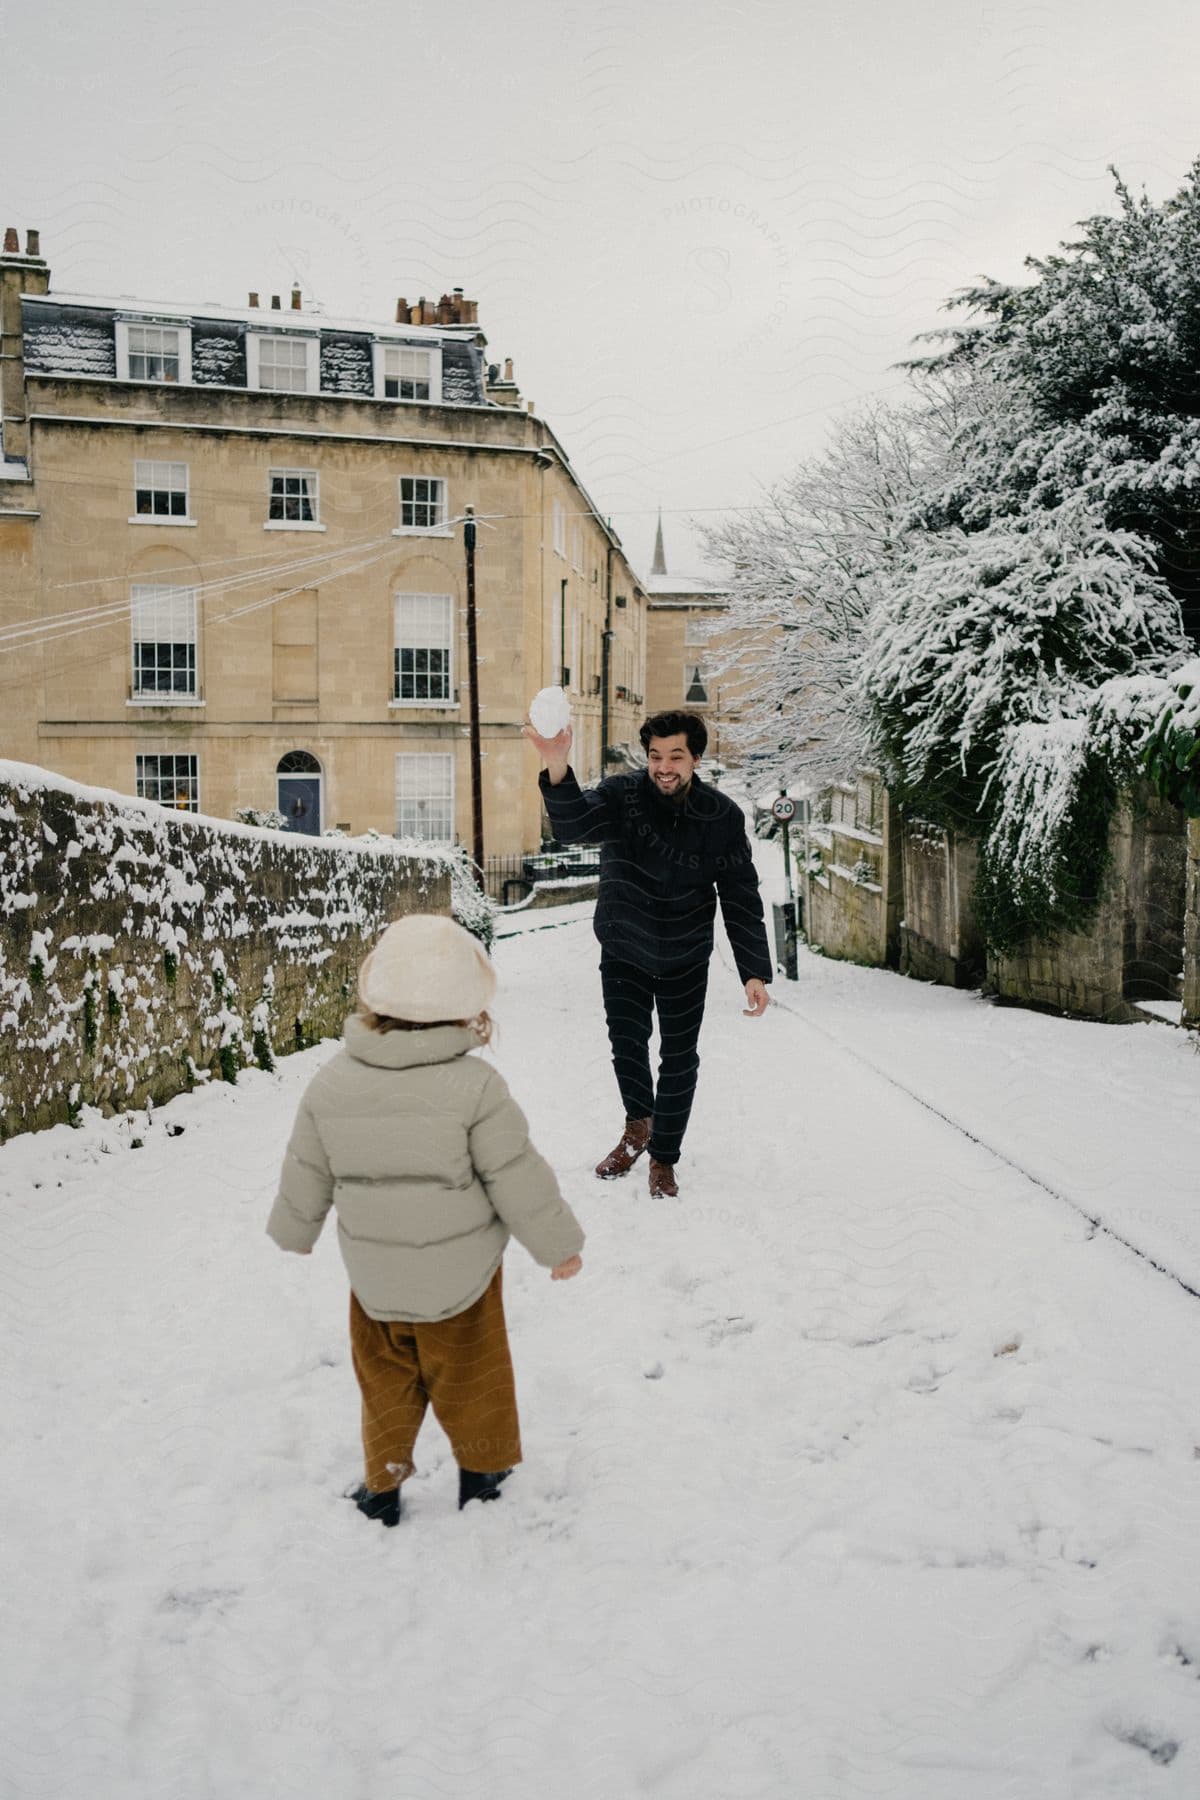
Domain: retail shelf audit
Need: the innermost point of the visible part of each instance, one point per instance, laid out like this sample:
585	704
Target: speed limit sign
783	809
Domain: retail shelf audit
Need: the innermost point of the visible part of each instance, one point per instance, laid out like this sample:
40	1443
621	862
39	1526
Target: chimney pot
32	243
11	241
295	296
458	293
402	311
508	374
253	299
275	303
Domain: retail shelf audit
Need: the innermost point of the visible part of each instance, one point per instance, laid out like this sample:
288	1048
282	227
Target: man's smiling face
670	763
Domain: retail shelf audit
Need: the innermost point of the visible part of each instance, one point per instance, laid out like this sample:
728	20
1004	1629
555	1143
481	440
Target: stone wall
1191	933
852	884
1133	949
939	938
143	950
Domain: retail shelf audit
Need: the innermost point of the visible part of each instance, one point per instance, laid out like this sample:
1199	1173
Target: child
427	1159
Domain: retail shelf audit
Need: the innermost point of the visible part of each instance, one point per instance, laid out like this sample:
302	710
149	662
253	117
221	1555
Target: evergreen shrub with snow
1059	554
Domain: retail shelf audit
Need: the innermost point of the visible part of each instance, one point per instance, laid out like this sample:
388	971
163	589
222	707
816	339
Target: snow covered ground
869	1467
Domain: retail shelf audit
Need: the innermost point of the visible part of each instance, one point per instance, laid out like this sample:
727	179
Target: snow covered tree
1094	373
1060	552
980	632
808	563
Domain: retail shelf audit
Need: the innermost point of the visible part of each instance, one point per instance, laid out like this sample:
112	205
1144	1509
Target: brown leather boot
622	1157
662	1181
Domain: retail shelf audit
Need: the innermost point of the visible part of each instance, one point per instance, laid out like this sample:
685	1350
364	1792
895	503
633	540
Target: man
670	847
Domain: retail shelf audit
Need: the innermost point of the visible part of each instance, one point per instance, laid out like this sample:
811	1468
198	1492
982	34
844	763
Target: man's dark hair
670	724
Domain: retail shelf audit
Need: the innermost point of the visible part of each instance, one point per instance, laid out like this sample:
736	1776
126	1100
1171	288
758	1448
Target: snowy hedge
143	950
1058	554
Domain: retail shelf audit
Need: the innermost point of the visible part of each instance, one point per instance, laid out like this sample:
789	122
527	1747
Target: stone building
683	613
695	660
232	568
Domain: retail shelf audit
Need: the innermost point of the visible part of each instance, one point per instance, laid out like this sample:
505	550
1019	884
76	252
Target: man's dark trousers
630	998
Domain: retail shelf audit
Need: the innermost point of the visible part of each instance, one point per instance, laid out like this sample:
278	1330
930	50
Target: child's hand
565	1270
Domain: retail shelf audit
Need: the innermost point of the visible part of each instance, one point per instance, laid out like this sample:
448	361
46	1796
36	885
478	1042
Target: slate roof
75	334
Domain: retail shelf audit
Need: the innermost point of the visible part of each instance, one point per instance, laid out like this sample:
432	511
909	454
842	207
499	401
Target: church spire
659	566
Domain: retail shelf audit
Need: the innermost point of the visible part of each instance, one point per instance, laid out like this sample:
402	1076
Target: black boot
479	1487
384	1506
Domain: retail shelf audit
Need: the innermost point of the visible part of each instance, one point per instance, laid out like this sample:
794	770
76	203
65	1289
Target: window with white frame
423	672
147	352
408	372
293	497
160	490
283	364
422	503
164	641
425	796
560	528
172	780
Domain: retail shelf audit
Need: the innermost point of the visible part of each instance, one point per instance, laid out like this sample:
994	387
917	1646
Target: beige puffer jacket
427	1158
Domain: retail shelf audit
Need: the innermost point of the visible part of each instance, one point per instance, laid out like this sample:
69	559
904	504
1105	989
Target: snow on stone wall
143	950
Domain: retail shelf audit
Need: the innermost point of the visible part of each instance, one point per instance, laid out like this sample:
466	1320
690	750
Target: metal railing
508	879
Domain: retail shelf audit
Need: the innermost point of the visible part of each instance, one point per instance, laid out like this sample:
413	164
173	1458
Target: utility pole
469	529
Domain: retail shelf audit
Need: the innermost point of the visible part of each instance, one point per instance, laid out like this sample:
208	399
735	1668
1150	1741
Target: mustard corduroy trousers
462	1367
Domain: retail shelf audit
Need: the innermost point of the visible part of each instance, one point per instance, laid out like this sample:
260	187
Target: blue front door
300	803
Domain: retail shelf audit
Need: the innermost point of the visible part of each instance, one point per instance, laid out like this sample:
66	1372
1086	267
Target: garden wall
939	937
1133	949
143	950
1191	932
852	884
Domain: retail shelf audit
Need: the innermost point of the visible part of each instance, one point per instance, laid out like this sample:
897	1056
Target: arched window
298	787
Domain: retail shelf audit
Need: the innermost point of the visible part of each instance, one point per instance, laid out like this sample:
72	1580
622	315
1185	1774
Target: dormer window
283	364
147	352
408	372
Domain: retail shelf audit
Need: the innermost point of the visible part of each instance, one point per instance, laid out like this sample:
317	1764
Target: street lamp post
469	529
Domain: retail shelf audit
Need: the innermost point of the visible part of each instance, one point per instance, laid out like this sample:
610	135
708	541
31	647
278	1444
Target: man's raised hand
555	752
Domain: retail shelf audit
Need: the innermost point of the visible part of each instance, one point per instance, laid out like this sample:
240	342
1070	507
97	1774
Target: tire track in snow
1093	1219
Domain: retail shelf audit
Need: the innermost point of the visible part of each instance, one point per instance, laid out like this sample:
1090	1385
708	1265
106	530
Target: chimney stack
254	299
32	243
295	296
19	274
275	303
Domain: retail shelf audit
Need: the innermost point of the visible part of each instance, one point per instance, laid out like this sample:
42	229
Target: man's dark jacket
662	866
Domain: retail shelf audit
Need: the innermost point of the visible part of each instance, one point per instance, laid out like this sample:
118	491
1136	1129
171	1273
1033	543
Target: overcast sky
700	231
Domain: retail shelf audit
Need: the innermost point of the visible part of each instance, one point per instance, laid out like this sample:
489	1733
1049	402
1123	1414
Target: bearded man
671	847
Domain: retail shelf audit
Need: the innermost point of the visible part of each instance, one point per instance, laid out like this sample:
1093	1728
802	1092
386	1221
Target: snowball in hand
549	712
